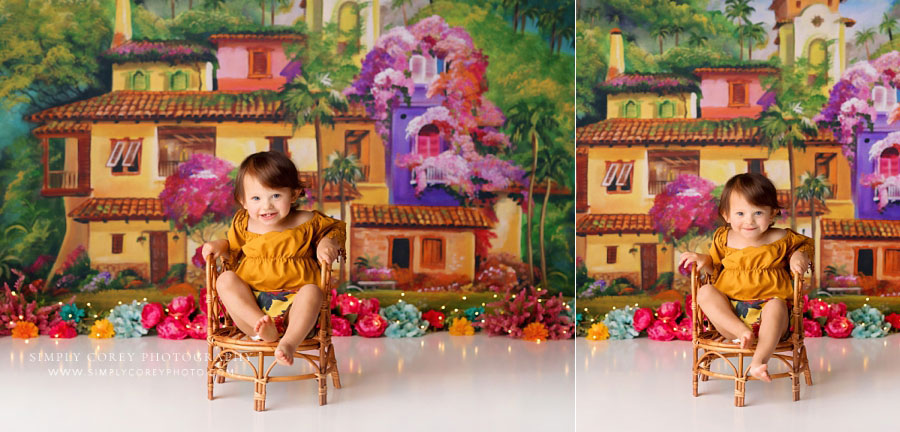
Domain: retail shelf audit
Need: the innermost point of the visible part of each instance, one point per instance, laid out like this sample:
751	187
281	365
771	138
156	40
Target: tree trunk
172	6
812	217
320	188
516	18
676	38
262	7
541	239
272	21
552	36
750	49
403	7
190	4
868	56
742	48
791	195
660	44
522	26
890	35
534	150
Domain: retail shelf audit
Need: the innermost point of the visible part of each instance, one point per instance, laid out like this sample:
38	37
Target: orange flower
24	330
461	327
598	331
102	329
535	332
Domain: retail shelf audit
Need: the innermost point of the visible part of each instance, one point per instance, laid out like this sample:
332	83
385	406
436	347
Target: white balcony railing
62	179
433	175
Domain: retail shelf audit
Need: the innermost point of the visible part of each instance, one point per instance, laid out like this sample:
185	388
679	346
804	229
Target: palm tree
315	95
888	25
514	4
529	10
552	19
660	32
342	169
556	164
172	6
739	11
566	32
697	40
528	120
813	188
401	4
756	35
676	28
863	37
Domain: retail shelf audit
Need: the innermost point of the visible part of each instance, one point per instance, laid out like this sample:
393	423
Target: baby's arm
704	262
217	248
801	257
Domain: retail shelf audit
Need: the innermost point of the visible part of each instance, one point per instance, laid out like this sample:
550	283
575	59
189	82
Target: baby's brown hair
757	189
272	169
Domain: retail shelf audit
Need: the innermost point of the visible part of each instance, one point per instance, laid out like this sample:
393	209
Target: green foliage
663	282
49	51
175	274
198	25
559	233
683	60
621	286
147	25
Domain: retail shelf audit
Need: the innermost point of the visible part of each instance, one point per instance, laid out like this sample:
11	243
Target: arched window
179	81
348	23
889	162
631	110
666	109
816	52
428	141
140	81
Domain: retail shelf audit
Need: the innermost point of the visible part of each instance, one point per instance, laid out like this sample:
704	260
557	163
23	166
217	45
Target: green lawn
603	304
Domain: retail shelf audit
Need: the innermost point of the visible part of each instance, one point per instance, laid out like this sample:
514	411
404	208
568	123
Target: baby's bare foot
746	339
284	354
265	329
760	372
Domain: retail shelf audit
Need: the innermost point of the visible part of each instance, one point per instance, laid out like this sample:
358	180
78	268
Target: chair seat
712	339
232	337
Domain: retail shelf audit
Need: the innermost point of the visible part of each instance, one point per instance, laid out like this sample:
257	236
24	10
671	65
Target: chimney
122	31
616	54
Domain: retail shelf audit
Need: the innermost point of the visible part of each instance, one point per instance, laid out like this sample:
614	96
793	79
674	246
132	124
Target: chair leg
322	376
740	384
695	369
210	372
335	375
806	371
259	387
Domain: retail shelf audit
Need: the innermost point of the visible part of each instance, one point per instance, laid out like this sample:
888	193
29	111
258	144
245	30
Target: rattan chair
790	349
227	342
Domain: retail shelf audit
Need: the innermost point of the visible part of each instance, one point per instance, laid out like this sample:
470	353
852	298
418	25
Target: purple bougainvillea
685	210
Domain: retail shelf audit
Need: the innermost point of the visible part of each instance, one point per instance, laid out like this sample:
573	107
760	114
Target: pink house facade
731	92
251	62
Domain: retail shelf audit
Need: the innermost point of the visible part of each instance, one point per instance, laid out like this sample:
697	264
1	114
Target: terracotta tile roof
784	199
860	229
593	224
253	36
755	70
64	127
103	209
127	105
384	215
665	131
622	131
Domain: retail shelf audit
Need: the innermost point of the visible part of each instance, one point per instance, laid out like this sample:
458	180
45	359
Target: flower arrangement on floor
519	308
671	321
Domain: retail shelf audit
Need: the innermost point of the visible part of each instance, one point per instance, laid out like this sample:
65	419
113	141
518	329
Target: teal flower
71	312
404	320
474	314
868	323
126	320
620	323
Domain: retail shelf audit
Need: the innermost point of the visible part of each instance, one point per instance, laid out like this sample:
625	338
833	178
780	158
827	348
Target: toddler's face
747	220
264	205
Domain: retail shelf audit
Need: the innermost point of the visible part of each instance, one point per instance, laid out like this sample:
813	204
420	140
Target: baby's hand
327	250
687	258
211	248
799	262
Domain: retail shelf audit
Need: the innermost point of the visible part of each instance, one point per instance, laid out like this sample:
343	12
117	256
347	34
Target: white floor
644	385
433	383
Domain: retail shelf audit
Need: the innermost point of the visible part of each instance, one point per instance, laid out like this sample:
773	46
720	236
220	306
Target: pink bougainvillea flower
182	306
369	305
197	327
669	311
340	326
839	327
151	315
811	328
347	304
643	317
660	331
172	328
371	325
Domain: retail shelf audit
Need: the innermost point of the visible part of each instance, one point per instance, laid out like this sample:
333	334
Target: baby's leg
773	323
242	307
719	310
301	318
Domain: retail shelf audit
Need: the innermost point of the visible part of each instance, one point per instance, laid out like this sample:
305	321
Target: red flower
197	328
642	319
839	327
369	305
688	303
371	325
811	328
819	308
805	303
669	311
683	329
62	330
660	331
347	304
894	319
172	328
151	315
334	295
340	326
181	306
435	318
837	310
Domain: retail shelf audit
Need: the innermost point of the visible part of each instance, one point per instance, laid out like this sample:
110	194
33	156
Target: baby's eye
254	198
759	213
276	196
740	213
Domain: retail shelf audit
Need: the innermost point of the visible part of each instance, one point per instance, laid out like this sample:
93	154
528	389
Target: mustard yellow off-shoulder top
281	260
756	272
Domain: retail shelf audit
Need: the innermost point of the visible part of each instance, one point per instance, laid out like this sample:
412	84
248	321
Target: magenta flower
371	325
62	330
172	328
837	310
669	311
819	308
811	328
685	209
839	327
683	329
151	315
643	317
340	326
660	331
369	305
181	306
197	328
347	304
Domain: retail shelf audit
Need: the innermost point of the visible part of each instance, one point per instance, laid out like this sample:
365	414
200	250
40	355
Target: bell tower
810	29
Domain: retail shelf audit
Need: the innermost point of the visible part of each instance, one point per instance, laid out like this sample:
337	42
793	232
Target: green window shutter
666	109
178	81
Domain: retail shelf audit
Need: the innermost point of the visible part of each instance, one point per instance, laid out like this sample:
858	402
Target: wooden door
159	255
648	266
